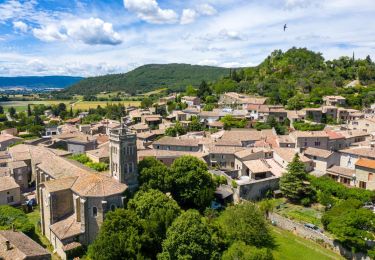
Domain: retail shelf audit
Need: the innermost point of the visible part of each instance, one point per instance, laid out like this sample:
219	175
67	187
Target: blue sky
86	38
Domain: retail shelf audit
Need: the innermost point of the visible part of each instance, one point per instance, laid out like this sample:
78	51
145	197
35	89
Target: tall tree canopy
189	237
158	210
295	184
244	222
192	185
120	237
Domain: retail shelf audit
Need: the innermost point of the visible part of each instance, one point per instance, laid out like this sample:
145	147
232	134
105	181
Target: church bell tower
123	156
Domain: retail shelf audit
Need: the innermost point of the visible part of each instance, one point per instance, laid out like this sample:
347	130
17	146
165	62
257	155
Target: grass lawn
292	247
302	214
34	217
22	105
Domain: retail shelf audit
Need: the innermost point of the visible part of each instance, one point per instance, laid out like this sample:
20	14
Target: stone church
74	199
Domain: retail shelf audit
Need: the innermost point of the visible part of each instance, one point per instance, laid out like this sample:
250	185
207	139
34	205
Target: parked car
313	227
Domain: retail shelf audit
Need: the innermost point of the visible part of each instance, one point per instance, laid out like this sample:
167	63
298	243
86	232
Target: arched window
94	212
113	207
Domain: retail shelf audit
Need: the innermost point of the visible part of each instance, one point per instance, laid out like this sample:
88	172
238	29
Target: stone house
366	124
334	100
323	159
239	100
314	114
10	191
350	156
191	101
7	140
177	144
305	139
223	157
16	246
365	174
21	173
342	175
10	131
284	156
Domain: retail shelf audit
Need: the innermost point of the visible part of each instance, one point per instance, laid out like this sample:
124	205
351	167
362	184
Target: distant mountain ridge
149	77
38	82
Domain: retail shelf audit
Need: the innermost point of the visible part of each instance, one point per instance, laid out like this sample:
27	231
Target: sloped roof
22	246
7	183
367	163
66	228
318	152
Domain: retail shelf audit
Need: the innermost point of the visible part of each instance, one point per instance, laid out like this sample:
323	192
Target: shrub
303	126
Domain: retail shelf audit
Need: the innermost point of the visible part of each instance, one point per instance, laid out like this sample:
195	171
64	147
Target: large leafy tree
295	185
192	185
352	224
204	90
189	237
11	217
240	251
120	237
158	210
244	222
154	175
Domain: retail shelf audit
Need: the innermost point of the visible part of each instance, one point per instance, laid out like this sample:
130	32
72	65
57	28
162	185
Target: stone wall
301	230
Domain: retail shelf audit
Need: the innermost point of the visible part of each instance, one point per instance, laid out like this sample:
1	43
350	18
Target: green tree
204	90
158	210
296	102
146	102
189	237
192	185
175	130
240	251
351	224
155	177
190	91
148	162
1	110
295	185
12	111
120	237
11	217
195	125
244	222
29	110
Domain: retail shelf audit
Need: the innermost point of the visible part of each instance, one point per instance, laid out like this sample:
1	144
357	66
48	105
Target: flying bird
285	27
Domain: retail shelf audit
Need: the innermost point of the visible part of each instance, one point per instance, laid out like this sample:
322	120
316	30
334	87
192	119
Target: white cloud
231	35
92	31
149	11
20	26
206	9
188	16
208	62
49	33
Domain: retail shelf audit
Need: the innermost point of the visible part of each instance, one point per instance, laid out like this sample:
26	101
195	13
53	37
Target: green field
22	105
291	247
82	105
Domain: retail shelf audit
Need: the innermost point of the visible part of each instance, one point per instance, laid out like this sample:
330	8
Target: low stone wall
301	230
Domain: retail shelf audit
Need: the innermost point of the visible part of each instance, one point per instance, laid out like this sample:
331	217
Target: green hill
147	78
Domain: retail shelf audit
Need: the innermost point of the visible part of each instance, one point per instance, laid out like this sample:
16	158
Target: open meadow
78	105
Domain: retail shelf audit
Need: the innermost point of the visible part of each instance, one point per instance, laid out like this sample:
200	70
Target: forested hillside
296	78
39	82
149	77
299	78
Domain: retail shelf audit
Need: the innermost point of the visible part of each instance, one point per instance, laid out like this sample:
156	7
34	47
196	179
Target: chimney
7	245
